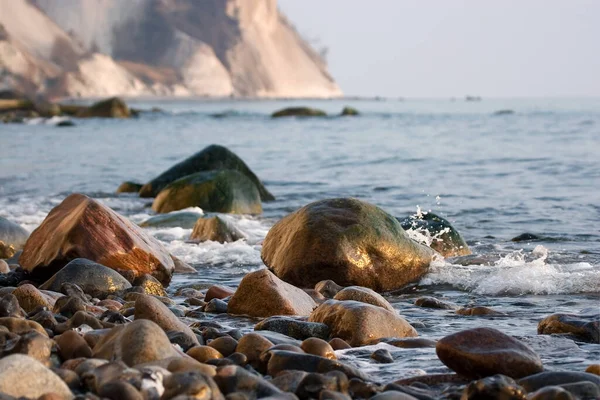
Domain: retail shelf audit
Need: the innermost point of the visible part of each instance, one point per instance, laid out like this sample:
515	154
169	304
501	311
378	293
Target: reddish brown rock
481	352
216	229
218	292
360	323
81	227
262	294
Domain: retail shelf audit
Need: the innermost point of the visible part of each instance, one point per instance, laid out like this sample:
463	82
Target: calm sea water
493	176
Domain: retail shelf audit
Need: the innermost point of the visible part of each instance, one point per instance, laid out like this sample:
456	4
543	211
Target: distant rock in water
585	325
504	112
299	112
349	111
129	187
348	241
445	239
525	237
109	108
223	191
213	157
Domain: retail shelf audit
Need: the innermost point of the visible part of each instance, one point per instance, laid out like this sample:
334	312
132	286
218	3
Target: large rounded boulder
12	237
224	191
81	227
213	157
348	241
444	238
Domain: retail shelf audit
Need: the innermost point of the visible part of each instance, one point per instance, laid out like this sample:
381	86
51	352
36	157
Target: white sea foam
518	273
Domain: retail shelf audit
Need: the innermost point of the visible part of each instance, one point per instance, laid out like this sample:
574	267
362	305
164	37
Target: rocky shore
86	310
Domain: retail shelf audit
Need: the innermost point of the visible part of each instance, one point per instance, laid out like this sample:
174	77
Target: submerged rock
360	323
525	237
93	278
345	240
585	325
446	240
224	191
213	157
215	229
23	376
482	352
299	112
262	294
129	187
81	227
12	237
432	302
293	327
176	219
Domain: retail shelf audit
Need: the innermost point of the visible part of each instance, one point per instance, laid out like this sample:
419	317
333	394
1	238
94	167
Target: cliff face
156	47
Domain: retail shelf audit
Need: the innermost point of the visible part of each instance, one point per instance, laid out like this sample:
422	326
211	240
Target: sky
453	48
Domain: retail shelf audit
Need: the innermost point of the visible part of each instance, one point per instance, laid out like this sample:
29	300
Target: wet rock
360	388
349	111
234	379
494	387
22	376
216	229
93	278
294	328
314	384
583	390
150	285
446	240
20	326
182	340
216	306
108	372
339	344
593	369
223	191
12	237
359	323
262	294
191	384
382	356
204	353
149	307
586	325
119	390
278	338
45	319
432	302
81	318
328	288
213	157
129	187
4	267
9	306
421	393
69	377
299	112
113	107
225	345
525	237
318	347
281	360
184	364
406	343
364	295
551	393
322	240
32	344
69	306
482	352
252	346
139	342
81	227
393	395
480	311
548	378
175	219
218	292
289	380
331	395
72	345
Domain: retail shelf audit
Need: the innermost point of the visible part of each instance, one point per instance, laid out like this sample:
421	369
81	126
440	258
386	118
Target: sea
532	168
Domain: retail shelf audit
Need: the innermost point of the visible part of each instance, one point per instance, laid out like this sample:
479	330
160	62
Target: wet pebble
479	311
432	302
364	295
294	328
593	369
252	346
216	306
382	356
494	387
339	344
9	306
119	390
225	345
318	347
585	325
218	292
204	353
548	378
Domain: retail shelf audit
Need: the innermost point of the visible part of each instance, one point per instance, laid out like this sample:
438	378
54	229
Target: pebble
432	302
339	344
218	292
364	295
204	353
593	369
318	347
216	306
281	360
382	356
23	376
479	311
225	345
252	346
295	328
494	387
548	378
72	345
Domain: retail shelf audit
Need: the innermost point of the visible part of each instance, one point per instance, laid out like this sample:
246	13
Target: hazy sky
427	48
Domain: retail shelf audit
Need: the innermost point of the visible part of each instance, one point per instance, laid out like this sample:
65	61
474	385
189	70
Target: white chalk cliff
93	48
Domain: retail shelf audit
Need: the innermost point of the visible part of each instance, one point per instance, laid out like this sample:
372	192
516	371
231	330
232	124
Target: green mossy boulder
446	240
299	112
213	157
224	191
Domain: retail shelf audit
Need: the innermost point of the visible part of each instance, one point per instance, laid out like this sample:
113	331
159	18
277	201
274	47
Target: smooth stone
551	393
10	307
81	227
480	311
225	345
215	229
318	347
213	157
72	345
119	390
182	340
446	239
252	346
12	237
150	285
216	306
583	390
293	327
593	369
393	395
149	307
30	298
191	385
233	378
32	344
332	395
537	381
22	376
345	240
175	219
204	353
314	384
218	292
298	112
181	364
328	288
81	318
289	380
407	343
481	352
281	360
69	377
93	278
20	326
262	294
109	372
364	295
4	267
278	338
129	187
585	326
382	356
359	323
494	387
339	344
141	341
432	302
